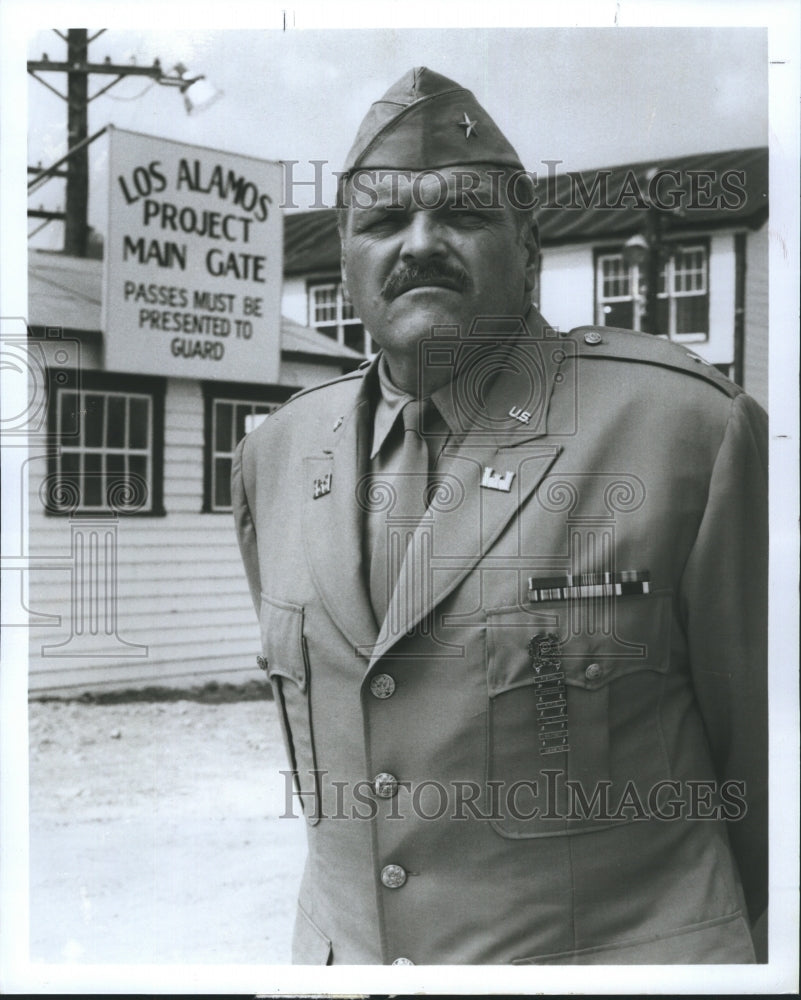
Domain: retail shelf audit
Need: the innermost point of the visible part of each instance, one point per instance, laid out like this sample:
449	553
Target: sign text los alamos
193	266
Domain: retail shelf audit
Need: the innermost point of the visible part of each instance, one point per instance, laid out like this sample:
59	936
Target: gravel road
155	834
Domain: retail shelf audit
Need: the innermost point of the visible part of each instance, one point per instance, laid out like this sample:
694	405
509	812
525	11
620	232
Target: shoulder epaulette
612	343
357	373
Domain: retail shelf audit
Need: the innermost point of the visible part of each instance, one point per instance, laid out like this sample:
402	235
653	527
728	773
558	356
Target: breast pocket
574	726
287	667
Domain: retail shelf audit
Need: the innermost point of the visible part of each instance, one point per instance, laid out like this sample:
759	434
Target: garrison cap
426	120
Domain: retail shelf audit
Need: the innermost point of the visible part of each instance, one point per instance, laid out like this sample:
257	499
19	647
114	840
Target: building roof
67	292
712	190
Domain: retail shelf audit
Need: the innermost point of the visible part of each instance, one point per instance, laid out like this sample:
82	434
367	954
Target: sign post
193	263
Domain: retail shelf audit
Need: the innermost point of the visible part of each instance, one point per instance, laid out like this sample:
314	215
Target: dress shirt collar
391	401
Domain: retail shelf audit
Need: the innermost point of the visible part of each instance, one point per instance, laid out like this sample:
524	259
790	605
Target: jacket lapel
332	523
466	518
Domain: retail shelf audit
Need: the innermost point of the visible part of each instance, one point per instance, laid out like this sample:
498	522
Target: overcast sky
588	97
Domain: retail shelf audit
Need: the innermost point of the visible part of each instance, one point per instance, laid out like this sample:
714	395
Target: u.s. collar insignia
520	414
491	480
322	486
468	126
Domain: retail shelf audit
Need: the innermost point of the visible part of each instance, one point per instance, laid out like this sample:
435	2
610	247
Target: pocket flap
597	640
282	638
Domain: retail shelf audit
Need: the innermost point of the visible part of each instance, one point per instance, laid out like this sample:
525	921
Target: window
231	411
683	297
615	301
332	313
682	293
110	431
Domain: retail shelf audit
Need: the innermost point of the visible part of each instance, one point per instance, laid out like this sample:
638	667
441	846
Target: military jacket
553	749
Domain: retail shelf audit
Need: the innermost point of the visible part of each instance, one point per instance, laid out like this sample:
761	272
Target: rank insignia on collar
520	414
322	486
491	480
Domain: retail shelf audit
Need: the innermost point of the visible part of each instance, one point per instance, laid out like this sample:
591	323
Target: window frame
685	244
236	393
340	322
106	383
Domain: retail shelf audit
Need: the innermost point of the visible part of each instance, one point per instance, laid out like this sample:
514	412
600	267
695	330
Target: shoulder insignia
614	344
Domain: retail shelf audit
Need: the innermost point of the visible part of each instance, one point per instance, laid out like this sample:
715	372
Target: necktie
403	486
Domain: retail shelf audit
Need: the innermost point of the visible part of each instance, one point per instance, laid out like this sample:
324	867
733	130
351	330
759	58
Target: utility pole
78	69
77	201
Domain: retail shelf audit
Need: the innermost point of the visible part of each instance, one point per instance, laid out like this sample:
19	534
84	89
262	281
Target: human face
418	251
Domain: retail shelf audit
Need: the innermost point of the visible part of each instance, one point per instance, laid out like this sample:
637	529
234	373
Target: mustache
439	273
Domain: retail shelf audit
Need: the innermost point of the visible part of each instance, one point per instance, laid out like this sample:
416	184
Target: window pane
93	493
115	466
138	417
692	314
139	482
222	482
65	489
223	425
70	462
115	422
354	337
68	414
93	420
619	314
662	315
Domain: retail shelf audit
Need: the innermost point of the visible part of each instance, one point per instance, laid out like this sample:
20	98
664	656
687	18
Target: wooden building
123	594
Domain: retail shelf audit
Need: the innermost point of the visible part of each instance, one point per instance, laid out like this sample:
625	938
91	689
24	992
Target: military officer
511	587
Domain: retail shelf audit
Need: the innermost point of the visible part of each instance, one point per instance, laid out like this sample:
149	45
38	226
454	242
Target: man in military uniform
511	586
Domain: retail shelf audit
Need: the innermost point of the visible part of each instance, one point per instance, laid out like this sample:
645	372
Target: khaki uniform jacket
522	763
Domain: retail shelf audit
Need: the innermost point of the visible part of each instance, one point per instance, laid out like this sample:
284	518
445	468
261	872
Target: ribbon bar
582	585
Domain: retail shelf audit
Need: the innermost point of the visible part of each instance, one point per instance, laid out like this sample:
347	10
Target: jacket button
382	686
403	961
593	671
385	785
393	876
593	337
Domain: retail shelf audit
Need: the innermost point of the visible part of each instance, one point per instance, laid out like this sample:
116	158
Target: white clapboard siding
181	590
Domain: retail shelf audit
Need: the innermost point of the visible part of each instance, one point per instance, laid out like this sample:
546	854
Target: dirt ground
155	833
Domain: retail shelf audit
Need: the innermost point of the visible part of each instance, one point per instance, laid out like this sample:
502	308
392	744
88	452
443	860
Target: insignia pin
468	126
322	486
492	481
520	414
338	423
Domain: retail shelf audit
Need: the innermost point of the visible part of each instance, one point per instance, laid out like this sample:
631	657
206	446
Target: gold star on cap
468	126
